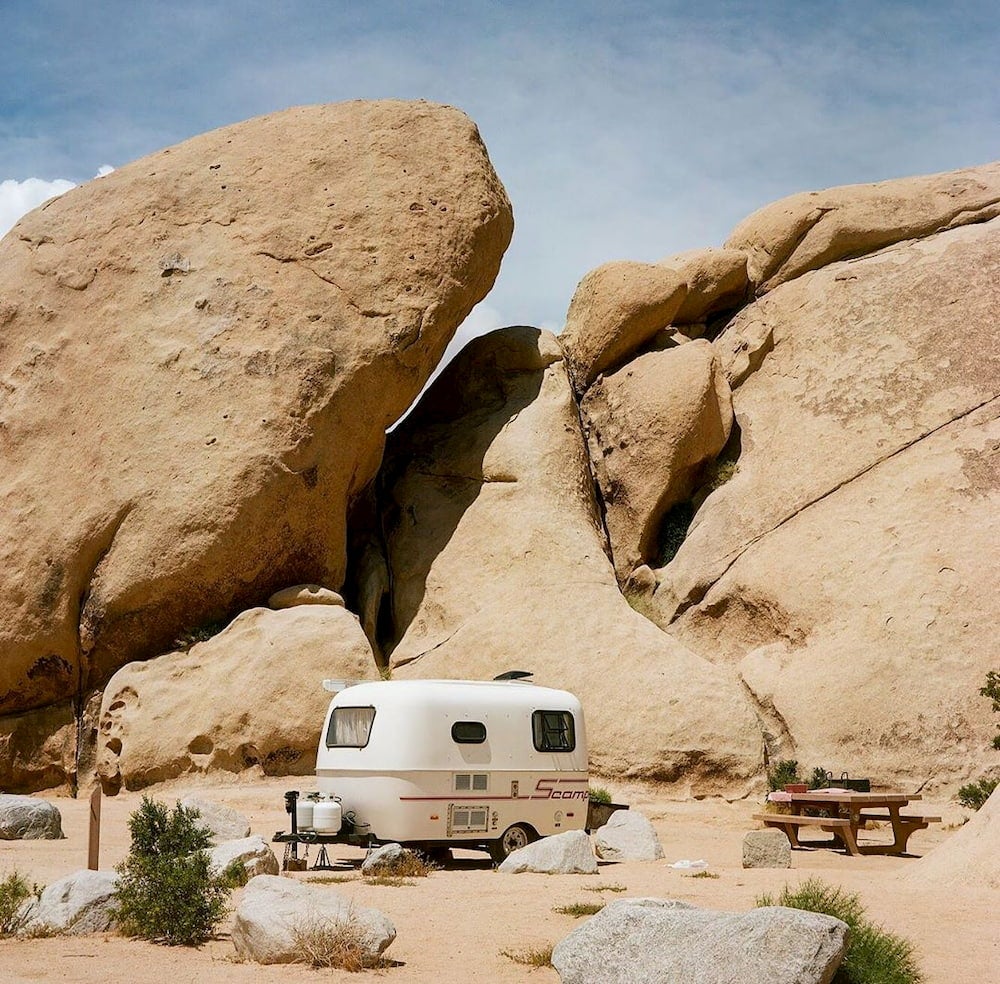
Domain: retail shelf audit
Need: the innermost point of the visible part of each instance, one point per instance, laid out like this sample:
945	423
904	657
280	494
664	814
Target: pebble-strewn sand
453	925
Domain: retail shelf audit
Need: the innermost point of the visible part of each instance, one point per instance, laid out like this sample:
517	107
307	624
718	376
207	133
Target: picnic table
847	812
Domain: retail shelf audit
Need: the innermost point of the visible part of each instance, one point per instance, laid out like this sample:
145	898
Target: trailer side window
553	731
468	732
350	727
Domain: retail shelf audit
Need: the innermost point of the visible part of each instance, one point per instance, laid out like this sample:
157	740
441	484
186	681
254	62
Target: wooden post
94	845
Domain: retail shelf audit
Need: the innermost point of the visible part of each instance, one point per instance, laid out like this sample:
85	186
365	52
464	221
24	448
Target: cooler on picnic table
846	782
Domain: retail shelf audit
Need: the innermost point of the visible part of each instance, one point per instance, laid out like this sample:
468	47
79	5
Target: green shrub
202	633
14	892
674	530
786	771
992	690
598	794
975	794
167	891
819	779
721	471
874	955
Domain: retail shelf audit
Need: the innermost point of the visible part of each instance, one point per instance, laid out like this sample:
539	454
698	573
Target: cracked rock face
652	427
199	354
498	559
847	570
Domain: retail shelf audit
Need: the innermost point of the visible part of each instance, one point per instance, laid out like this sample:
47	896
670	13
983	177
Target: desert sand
453	925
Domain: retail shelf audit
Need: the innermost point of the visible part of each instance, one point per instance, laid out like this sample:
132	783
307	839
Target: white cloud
19	197
103	171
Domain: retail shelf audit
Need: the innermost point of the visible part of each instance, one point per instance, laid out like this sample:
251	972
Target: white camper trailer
440	763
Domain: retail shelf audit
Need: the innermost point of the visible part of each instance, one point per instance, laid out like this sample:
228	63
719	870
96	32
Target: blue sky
628	130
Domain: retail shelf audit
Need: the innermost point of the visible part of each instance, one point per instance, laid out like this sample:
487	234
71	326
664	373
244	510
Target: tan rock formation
200	354
38	748
716	280
970	856
250	696
498	562
846	569
652	427
813	229
304	594
616	308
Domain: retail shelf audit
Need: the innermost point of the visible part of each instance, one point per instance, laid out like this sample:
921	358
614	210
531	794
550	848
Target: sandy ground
453	925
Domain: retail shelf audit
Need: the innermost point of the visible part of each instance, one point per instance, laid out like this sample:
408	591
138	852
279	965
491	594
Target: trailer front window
553	731
350	727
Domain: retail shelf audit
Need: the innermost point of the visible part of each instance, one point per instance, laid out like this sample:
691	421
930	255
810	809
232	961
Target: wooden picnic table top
819	796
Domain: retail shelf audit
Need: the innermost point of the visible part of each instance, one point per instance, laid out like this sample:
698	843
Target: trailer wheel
515	837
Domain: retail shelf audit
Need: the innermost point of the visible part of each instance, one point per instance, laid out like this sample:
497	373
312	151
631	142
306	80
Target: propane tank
327	816
304	814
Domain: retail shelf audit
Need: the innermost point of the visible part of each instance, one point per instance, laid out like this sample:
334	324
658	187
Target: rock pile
737	506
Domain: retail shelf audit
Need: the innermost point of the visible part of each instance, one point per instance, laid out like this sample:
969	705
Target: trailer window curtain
553	731
350	727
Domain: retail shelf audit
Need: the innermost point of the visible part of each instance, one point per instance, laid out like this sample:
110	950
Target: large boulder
813	229
274	912
253	853
716	281
201	354
842	570
647	940
496	549
627	836
250	696
83	902
652	428
969	857
561	854
389	859
221	823
616	308
29	818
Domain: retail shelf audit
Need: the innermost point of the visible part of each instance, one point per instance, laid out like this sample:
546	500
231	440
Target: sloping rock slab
495	544
809	230
627	836
970	856
561	854
648	941
29	818
254	853
77	904
273	909
223	823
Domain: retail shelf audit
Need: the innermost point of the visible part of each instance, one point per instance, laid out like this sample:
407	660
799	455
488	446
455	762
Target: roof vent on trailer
514	675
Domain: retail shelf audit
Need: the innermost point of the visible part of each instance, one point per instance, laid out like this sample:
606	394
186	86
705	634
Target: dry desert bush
340	945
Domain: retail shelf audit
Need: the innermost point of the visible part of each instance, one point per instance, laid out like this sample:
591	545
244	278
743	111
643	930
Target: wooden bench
903	818
903	826
839	827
